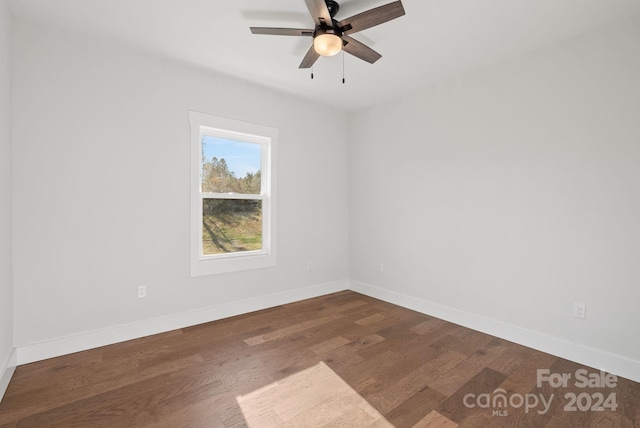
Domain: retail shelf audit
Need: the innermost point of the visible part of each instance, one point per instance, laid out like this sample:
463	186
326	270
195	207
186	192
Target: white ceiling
434	40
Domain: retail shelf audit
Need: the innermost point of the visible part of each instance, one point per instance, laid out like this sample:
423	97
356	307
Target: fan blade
310	58
360	50
372	17
319	12
282	31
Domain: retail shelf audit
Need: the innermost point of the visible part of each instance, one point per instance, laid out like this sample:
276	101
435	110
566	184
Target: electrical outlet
309	266
381	268
579	310
142	291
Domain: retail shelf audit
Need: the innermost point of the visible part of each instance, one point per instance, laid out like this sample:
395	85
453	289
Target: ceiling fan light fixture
327	44
331	36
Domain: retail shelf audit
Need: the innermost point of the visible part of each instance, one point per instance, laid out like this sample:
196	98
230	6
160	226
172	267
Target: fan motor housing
333	7
325	29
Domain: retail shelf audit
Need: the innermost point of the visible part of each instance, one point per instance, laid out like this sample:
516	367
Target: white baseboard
598	359
93	339
6	371
591	357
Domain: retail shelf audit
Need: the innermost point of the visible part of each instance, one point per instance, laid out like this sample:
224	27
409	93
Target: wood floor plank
289	330
430	324
388	397
510	359
435	420
329	345
485	381
523	379
471	340
371	319
411	369
466	369
411	411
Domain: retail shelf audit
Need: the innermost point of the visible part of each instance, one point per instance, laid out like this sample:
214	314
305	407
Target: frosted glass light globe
327	44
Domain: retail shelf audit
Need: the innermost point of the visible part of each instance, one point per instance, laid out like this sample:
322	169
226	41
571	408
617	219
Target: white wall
511	192
101	186
6	298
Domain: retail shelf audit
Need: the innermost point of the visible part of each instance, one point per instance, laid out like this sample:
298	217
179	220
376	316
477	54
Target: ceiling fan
331	36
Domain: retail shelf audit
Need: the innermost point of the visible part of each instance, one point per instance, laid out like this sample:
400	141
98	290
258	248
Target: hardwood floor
412	369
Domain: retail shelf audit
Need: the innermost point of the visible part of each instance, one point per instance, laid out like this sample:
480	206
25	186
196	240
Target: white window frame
205	124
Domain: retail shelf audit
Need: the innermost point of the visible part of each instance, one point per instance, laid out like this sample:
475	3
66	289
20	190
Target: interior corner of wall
6	371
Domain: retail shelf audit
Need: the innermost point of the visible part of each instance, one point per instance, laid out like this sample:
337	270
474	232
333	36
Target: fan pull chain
343	81
311	72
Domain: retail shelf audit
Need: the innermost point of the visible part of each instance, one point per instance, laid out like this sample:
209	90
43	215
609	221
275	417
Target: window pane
230	166
231	225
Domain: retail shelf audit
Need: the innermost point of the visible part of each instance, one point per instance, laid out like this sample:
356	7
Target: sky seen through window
241	157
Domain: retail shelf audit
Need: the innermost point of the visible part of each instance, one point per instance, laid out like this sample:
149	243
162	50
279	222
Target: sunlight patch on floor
315	397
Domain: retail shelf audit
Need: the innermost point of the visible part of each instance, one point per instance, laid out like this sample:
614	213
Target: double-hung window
232	195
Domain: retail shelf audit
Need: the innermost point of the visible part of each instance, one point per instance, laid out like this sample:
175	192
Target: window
232	195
